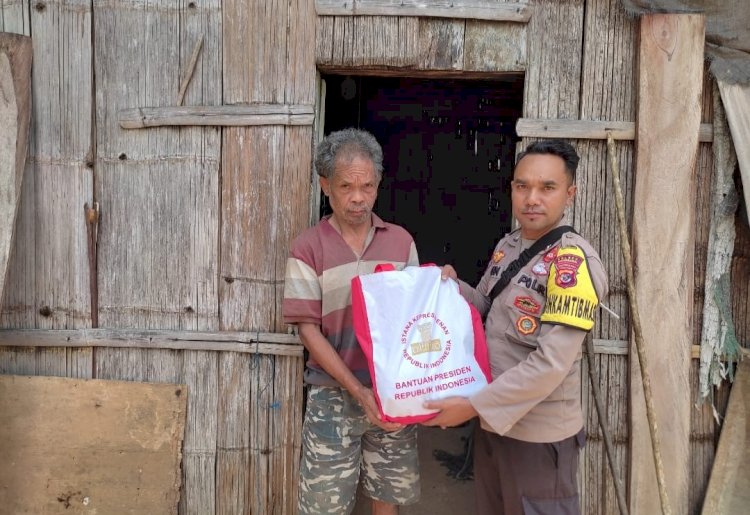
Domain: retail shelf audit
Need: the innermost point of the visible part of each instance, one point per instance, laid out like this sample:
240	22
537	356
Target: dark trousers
513	477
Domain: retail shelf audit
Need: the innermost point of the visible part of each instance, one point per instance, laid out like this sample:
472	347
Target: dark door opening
449	148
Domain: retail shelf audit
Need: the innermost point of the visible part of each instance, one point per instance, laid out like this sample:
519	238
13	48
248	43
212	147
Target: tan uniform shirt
535	395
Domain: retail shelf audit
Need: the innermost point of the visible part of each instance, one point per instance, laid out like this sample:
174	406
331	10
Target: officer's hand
367	400
454	411
448	272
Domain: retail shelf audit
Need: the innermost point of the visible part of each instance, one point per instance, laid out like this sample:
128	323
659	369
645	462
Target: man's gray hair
345	145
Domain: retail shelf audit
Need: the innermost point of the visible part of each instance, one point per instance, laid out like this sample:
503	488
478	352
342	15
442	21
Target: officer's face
540	191
352	191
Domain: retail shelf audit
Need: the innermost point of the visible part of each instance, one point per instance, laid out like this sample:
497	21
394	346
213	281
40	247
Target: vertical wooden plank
441	44
736	99
669	88
201	376
255	42
554	37
158	188
233	433
251	206
607	93
285	432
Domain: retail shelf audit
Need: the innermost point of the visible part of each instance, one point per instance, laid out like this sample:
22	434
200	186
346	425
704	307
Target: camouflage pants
339	444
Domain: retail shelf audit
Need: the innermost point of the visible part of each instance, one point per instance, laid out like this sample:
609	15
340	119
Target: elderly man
531	426
343	436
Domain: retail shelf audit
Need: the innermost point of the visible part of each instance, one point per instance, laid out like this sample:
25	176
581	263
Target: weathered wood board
669	92
15	113
729	486
89	446
736	99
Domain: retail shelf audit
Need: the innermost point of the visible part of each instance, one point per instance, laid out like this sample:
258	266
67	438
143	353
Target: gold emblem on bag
427	344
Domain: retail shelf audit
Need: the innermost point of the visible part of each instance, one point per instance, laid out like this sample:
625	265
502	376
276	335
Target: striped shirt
317	286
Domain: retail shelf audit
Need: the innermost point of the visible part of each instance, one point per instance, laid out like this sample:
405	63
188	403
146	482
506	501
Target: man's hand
454	411
448	272
366	399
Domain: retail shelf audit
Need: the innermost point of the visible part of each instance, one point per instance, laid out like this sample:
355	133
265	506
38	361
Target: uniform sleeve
514	393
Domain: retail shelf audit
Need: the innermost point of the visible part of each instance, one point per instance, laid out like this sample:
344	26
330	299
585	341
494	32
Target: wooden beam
231	341
728	489
229	115
250	343
15	114
468	9
736	99
589	129
669	110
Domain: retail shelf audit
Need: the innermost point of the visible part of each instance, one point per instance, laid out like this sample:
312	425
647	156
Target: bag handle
384	267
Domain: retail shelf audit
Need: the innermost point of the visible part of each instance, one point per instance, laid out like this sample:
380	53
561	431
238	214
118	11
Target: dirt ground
441	494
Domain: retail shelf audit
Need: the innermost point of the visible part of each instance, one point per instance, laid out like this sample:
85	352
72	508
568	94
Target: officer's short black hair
555	147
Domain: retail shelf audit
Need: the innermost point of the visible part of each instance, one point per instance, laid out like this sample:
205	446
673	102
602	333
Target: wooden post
669	92
15	113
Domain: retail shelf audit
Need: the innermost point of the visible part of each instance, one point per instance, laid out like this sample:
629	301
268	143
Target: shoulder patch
571	297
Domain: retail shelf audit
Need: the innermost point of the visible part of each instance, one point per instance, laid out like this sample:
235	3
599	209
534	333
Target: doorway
448	151
449	147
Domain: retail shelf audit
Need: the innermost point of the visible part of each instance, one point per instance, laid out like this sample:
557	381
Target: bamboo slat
261	114
157	247
669	92
249	343
472	9
589	129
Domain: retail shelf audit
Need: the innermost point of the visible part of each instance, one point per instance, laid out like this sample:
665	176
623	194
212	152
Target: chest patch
526	324
527	305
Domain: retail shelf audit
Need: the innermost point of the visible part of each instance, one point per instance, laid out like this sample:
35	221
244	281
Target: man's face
540	191
352	191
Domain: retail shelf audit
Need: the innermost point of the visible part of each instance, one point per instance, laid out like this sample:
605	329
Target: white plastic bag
422	339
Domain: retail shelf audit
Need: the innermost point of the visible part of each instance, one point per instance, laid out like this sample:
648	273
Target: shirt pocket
524	307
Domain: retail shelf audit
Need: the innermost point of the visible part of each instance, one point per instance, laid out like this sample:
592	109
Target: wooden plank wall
161	263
